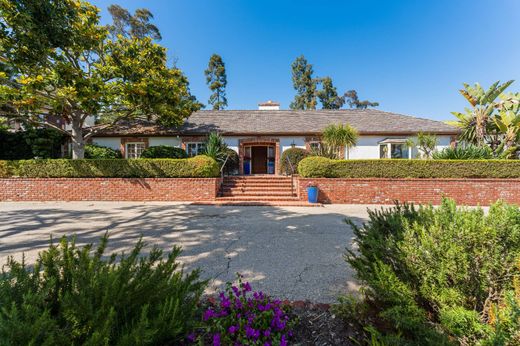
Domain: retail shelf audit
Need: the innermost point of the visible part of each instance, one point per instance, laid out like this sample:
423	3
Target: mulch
319	326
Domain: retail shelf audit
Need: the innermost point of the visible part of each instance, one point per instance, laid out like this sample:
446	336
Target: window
195	148
134	150
314	146
394	148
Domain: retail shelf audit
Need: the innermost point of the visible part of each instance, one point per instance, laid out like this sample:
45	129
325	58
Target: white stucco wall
287	142
232	142
169	141
368	148
109	142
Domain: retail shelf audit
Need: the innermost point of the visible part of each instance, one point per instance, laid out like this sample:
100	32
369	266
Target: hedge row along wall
196	167
320	167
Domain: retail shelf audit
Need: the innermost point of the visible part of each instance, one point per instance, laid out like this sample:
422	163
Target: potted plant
312	193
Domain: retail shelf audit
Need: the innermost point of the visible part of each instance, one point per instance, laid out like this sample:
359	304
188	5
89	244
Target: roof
286	122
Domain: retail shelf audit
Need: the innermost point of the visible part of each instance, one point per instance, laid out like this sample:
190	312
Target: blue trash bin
312	194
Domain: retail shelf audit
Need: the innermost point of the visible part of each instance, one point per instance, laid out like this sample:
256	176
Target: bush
21	145
432	275
196	167
77	296
319	167
244	318
233	162
469	152
164	152
295	155
99	152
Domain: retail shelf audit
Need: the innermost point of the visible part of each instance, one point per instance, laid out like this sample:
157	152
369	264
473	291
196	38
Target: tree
304	84
337	137
137	25
492	120
328	95
426	143
86	74
217	81
216	148
353	100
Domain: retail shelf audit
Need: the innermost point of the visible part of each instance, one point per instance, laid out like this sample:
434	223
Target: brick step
259	203
257	199
258	178
258	195
256	188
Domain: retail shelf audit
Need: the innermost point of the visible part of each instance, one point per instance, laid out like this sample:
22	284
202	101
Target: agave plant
468	152
216	147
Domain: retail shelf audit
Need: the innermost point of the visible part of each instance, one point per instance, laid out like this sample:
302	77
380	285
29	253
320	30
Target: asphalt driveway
290	252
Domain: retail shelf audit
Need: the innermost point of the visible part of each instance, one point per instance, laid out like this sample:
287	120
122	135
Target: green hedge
196	167
320	167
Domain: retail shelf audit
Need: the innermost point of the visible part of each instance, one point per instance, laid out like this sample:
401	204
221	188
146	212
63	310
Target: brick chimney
269	106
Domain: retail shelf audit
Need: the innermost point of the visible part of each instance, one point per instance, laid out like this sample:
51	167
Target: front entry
259	160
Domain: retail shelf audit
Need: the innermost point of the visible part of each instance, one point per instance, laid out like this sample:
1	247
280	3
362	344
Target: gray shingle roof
289	122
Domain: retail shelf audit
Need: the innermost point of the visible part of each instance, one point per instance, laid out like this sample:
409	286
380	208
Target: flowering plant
243	317
311	184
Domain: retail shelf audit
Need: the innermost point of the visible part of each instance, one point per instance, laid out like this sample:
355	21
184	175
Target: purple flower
208	314
250	332
236	290
216	339
267	333
247	287
191	337
283	341
238	304
267	344
225	303
233	329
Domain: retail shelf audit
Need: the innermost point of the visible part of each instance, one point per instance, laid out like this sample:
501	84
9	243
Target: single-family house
260	136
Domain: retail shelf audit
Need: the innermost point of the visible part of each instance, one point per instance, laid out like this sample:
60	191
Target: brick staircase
259	190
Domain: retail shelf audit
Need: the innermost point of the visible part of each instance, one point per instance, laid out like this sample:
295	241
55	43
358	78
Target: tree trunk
78	143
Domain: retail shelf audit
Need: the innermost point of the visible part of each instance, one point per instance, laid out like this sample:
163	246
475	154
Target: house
260	136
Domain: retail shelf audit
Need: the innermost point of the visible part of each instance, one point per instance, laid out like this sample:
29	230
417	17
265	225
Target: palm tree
339	136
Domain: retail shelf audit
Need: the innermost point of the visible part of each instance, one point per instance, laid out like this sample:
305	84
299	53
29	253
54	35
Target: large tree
136	25
353	101
217	81
328	95
82	73
304	83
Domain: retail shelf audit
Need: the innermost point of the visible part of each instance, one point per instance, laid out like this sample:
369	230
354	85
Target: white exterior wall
368	148
232	142
287	143
168	141
109	142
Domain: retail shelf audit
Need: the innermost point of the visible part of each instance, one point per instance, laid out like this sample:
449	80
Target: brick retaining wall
108	189
386	191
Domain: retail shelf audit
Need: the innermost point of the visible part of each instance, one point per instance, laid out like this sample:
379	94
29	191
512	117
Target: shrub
196	167
469	152
216	148
233	162
295	155
433	274
242	318
77	296
100	152
314	167
164	152
21	145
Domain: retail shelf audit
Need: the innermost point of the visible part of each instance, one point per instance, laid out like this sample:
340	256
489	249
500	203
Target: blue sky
412	56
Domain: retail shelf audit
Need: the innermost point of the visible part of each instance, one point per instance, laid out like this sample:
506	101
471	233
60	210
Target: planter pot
312	194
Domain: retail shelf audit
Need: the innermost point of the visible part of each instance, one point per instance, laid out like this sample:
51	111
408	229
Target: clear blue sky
410	55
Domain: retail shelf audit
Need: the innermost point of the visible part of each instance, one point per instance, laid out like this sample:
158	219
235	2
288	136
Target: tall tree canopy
82	73
304	83
353	101
328	95
136	25
217	81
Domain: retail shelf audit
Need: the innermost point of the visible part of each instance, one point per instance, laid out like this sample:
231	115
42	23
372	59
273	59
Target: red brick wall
109	189
386	191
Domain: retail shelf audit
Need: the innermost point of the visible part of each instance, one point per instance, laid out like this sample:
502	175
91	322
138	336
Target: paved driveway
290	252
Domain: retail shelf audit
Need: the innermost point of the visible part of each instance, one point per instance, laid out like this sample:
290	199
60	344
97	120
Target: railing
292	174
222	173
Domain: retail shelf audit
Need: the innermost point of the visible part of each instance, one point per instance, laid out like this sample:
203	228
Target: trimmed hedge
164	152
320	167
196	167
295	155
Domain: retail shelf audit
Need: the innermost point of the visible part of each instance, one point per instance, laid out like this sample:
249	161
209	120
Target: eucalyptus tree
328	95
136	25
353	101
82	72
304	83
216	79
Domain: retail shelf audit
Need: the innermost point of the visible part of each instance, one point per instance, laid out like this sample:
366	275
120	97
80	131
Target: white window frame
199	148
134	143
388	143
